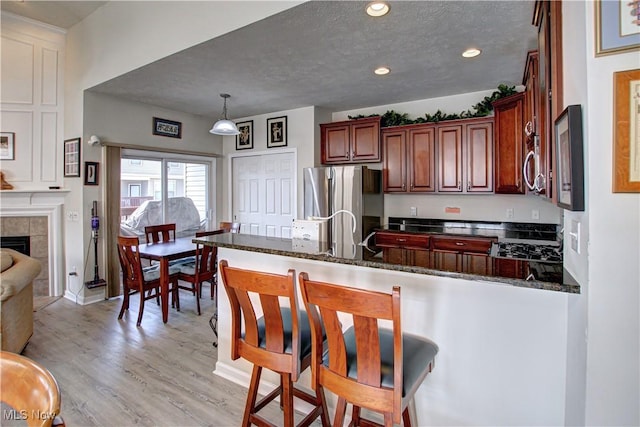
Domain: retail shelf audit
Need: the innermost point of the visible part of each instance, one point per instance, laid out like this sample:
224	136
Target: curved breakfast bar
503	342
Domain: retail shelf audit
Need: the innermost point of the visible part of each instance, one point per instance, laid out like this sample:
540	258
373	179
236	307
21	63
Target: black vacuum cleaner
95	226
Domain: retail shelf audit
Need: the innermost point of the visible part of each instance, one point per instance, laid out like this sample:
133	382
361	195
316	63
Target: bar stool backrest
263	342
323	302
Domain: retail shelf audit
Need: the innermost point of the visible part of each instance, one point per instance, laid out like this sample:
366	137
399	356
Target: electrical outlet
413	210
73	216
535	214
510	213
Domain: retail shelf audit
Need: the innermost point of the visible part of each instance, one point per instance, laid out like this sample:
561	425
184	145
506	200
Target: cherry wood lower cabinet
412	257
513	268
404	248
463	254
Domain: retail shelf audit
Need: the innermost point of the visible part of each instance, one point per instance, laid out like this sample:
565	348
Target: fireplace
21	244
38	216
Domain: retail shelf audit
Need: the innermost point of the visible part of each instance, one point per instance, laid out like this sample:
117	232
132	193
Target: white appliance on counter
536	183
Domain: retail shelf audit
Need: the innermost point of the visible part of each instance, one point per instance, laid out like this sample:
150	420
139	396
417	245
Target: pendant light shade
224	126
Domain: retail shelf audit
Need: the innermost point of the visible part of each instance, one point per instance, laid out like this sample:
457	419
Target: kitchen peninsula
501	340
349	253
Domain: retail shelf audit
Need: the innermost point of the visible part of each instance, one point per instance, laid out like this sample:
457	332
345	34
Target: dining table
165	252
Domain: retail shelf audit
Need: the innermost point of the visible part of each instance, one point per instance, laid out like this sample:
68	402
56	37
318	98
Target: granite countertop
503	231
352	254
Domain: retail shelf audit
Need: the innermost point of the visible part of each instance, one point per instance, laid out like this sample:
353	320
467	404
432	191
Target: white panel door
263	194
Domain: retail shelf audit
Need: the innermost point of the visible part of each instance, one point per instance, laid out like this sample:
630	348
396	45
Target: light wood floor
112	373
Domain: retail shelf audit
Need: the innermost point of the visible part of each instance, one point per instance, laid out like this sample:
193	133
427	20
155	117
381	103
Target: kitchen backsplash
490	207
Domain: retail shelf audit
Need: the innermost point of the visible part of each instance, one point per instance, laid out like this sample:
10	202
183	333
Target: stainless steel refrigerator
356	189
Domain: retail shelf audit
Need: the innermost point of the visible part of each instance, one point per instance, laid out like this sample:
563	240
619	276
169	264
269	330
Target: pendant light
224	126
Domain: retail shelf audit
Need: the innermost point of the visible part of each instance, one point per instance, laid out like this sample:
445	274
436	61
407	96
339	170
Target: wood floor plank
112	373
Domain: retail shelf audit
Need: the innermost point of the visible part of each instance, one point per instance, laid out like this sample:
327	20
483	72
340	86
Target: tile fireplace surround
37	229
38	214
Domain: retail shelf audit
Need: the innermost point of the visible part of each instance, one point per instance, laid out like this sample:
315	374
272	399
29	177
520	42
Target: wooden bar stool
279	340
368	366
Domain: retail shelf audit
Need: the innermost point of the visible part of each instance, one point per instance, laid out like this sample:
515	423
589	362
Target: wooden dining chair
29	389
160	233
145	280
276	336
230	227
369	366
202	269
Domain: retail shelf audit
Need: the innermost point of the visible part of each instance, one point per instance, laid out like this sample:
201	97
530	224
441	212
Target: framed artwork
626	131
244	140
91	173
72	158
7	146
277	132
569	158
168	128
617	26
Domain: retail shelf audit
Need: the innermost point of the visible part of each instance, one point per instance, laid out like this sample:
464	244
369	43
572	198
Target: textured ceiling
63	14
322	53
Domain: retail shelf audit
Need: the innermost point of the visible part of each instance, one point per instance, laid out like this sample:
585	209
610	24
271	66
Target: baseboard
82	299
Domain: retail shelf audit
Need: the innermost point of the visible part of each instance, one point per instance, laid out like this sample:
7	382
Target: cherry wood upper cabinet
352	141
479	157
509	140
547	16
409	158
450	158
465	156
394	171
531	111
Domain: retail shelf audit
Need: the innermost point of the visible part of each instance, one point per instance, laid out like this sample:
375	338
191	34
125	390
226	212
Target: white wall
120	37
480	207
575	92
300	135
613	252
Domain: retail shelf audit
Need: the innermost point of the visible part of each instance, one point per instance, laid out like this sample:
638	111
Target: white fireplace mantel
47	203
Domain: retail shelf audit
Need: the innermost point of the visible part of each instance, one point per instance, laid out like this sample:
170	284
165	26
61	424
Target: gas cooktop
527	251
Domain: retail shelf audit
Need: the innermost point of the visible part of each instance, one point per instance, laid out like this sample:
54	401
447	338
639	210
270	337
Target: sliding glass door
159	190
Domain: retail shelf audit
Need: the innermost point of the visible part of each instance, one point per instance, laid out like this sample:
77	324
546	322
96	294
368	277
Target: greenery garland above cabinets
481	109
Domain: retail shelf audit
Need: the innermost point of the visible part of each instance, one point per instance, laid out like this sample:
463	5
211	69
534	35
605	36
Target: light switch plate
574	235
413	210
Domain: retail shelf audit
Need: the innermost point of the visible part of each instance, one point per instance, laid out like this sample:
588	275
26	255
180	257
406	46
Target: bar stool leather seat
417	356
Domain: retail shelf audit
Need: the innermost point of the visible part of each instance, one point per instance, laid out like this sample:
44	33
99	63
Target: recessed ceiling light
381	71
471	53
377	8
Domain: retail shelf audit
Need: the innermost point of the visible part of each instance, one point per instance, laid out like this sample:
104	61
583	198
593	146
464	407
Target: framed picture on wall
626	131
71	158
91	173
244	140
7	145
617	28
570	161
277	132
164	127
